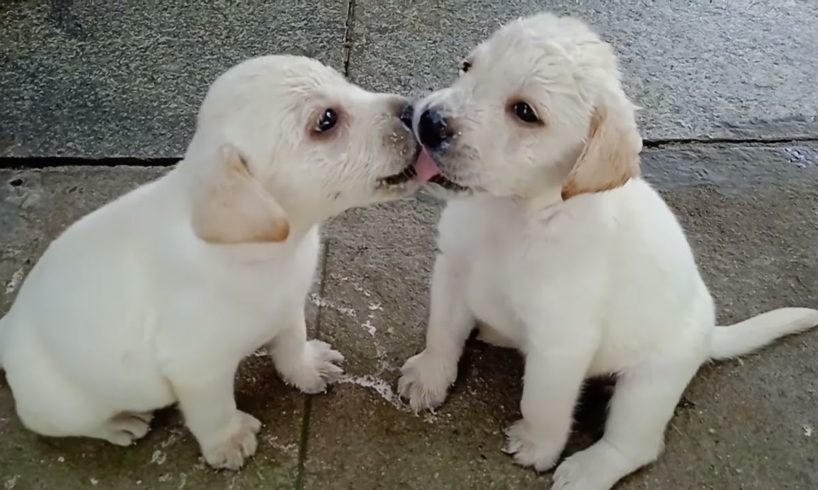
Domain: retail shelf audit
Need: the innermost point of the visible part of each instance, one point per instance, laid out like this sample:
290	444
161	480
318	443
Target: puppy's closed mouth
428	171
401	178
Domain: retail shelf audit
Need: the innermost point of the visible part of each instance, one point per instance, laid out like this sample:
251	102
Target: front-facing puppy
156	297
552	239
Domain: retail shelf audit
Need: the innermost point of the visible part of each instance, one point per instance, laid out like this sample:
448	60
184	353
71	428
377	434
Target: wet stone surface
100	79
698	69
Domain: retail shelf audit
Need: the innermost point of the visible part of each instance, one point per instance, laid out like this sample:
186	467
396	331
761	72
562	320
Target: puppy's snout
433	129
407	115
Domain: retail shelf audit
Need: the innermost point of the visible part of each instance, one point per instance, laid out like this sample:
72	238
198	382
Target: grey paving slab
700	69
360	435
740	168
746	424
35	206
96	78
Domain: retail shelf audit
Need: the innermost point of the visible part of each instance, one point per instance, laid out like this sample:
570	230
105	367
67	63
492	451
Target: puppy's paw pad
320	368
239	445
528	450
425	381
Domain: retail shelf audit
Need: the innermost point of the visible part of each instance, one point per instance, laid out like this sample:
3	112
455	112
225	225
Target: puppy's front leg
226	435
307	365
555	368
426	376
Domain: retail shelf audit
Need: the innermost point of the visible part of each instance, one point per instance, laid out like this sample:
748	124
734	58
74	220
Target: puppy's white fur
567	254
156	297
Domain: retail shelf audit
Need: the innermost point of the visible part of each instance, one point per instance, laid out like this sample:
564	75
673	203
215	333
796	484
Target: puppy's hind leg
643	403
427	376
124	429
554	372
49	404
226	435
75	416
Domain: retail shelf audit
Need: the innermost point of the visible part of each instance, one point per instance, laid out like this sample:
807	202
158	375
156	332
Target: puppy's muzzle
405	112
434	131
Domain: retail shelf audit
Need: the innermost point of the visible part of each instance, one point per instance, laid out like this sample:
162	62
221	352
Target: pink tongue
425	167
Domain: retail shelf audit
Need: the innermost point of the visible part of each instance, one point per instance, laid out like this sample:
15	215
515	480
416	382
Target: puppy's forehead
528	41
310	80
267	82
275	74
545	50
518	60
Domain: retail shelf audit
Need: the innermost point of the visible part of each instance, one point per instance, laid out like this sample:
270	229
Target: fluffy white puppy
552	239
156	297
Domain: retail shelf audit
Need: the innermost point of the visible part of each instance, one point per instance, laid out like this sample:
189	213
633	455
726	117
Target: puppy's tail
756	332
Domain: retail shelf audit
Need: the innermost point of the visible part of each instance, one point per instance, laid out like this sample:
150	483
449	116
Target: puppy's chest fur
261	295
620	260
482	241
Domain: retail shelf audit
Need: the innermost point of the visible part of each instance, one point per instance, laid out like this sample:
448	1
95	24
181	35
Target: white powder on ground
378	385
325	303
15	281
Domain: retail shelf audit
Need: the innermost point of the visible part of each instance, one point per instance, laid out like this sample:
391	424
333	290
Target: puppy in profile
155	298
551	238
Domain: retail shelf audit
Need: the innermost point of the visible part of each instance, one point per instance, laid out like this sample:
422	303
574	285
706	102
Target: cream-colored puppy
552	239
156	297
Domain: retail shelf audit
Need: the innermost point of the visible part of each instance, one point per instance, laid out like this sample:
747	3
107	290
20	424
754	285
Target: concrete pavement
87	86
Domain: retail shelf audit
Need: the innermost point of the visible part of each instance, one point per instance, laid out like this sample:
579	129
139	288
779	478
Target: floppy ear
233	207
611	154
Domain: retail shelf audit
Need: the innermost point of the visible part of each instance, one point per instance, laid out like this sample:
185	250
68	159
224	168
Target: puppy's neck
545	202
261	252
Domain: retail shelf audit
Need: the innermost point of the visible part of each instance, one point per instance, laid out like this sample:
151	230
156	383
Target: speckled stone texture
699	69
101	79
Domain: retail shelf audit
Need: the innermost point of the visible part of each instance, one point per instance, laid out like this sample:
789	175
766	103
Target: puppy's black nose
433	129
407	114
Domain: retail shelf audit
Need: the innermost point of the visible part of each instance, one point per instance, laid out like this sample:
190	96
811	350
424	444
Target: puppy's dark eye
465	66
327	121
525	113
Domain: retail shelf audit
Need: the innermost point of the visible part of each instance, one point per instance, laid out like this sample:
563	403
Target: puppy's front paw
528	450
597	468
319	367
239	444
424	381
